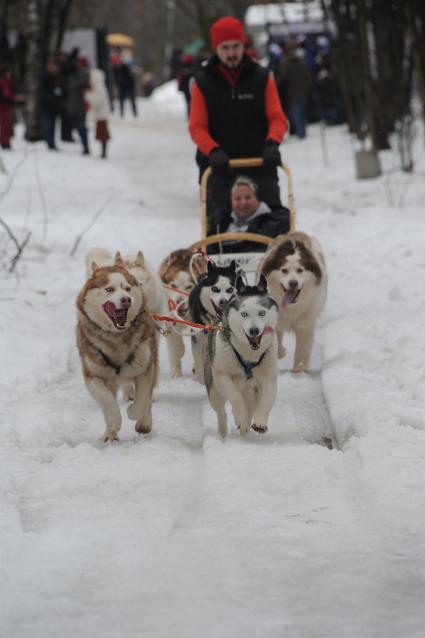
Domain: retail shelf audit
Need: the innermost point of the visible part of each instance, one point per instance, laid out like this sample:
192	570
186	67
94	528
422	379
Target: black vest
236	115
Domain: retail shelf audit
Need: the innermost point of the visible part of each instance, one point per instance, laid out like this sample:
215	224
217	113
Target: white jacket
97	96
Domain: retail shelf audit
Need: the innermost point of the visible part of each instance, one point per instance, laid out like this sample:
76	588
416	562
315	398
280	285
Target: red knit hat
227	28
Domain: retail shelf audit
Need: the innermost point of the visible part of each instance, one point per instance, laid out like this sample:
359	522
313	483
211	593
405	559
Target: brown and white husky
179	273
117	342
296	273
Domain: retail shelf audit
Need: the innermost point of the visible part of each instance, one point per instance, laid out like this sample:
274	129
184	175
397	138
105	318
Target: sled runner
248	261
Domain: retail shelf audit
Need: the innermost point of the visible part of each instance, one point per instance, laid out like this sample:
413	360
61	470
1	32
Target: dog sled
247	261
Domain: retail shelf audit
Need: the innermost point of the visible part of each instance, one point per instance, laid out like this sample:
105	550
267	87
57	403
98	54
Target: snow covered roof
258	15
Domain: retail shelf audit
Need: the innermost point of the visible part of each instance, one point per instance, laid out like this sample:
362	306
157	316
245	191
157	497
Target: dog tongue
121	317
289	297
118	315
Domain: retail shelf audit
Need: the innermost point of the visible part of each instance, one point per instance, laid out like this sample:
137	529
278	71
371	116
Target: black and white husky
241	361
206	303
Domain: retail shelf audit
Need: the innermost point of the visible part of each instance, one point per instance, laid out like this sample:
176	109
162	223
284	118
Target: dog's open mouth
255	341
182	308
118	316
290	296
218	309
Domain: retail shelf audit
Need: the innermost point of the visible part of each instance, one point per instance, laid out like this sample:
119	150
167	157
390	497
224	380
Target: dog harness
248	366
113	365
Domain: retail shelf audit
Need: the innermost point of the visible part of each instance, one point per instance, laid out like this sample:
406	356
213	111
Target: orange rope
173	320
182	292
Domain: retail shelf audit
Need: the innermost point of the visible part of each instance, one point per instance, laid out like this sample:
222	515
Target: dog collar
248	366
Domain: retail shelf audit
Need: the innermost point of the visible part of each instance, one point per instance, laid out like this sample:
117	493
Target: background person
251	215
125	80
77	84
8	100
296	82
99	107
235	112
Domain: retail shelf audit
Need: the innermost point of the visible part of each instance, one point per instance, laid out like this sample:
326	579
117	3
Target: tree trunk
35	67
46	25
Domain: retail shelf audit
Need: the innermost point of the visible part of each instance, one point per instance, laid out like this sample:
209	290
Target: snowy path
180	534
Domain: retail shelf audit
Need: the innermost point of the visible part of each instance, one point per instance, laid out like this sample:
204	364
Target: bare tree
378	43
46	21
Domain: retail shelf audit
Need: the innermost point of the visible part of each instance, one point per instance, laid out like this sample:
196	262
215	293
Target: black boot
103	155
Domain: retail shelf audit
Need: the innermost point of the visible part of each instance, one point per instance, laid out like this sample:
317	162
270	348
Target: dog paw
259	427
281	352
299	369
142	427
176	373
244	428
110	437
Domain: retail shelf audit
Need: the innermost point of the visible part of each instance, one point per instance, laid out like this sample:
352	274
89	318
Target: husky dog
296	272
206	304
179	272
241	361
117	343
136	265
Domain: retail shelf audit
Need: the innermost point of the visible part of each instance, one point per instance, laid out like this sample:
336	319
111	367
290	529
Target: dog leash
200	326
181	292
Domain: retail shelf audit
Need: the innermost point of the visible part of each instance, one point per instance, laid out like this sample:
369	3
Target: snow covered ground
180	534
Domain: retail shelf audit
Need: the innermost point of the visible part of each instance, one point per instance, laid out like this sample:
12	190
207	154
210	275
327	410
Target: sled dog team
236	356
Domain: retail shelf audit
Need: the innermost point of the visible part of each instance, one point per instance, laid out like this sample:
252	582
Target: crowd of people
307	82
304	72
236	107
69	90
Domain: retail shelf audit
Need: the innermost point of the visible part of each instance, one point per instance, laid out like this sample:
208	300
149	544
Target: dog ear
239	285
262	283
211	267
232	265
140	259
94	266
118	259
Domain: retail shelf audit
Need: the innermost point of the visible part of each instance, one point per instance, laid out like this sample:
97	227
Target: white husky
241	361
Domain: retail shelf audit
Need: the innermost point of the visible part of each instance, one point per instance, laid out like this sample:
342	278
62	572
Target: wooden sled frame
247	162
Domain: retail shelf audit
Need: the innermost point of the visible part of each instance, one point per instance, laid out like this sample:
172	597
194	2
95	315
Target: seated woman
251	216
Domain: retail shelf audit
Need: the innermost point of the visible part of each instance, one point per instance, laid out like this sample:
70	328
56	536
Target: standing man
235	112
296	80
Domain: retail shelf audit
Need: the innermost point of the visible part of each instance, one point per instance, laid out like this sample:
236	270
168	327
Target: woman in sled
250	215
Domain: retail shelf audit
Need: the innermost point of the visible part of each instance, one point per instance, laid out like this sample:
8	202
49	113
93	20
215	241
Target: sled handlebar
214	239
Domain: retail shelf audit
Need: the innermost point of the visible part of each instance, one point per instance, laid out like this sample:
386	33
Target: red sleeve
198	121
276	118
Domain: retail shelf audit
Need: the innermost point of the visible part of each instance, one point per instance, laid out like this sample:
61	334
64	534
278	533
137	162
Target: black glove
219	161
271	154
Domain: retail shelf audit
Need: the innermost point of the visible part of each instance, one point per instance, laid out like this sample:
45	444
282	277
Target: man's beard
232	63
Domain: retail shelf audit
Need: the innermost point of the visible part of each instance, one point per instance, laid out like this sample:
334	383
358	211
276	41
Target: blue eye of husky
229	290
244	313
215	289
262	313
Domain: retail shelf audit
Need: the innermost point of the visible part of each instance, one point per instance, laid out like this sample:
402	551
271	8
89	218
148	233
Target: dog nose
293	284
254	332
125	302
222	303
